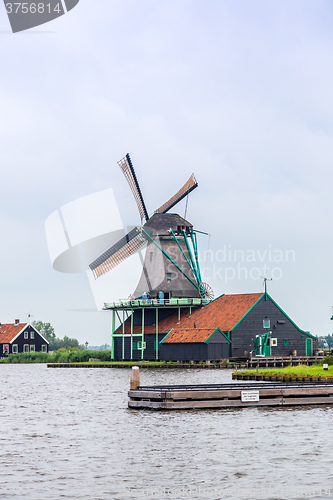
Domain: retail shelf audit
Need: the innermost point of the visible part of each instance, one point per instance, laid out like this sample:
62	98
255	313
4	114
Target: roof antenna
29	315
265	283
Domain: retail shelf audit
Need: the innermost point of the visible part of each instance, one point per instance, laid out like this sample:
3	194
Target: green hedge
60	356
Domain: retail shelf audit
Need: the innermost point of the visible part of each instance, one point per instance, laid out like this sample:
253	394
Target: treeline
47	330
63	355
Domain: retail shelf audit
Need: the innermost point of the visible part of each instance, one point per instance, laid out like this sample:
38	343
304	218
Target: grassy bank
299	372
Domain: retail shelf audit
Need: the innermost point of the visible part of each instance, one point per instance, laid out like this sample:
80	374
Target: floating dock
234	395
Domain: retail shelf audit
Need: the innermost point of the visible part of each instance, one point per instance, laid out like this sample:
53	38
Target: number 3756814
32	8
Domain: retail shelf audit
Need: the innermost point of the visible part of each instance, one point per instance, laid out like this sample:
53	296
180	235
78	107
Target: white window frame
26	348
32	335
26	335
44	348
32	348
266	323
15	348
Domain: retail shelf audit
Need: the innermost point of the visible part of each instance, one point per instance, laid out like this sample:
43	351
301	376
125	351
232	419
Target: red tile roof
9	331
223	313
188	335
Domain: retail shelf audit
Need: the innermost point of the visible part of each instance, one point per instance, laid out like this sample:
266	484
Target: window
15	349
266	323
32	335
44	348
168	276
285	341
26	335
26	348
5	349
135	345
141	345
32	348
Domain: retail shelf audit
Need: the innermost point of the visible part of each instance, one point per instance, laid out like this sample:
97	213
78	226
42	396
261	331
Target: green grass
294	370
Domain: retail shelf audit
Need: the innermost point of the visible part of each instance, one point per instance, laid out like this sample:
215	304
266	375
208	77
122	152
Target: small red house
21	337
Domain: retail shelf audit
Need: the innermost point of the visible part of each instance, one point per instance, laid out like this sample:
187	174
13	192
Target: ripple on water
69	433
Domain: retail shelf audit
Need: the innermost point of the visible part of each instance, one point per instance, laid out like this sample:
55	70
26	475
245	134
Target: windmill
171	265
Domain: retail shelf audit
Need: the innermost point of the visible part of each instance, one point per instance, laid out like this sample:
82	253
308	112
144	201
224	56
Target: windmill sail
126	166
184	191
134	240
125	247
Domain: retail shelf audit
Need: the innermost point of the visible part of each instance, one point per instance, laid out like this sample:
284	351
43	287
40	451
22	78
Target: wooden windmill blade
127	168
124	248
184	191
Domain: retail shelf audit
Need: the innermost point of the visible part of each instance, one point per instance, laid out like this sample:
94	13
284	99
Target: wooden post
135	378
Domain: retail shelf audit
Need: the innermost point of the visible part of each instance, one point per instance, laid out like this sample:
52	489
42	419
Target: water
68	434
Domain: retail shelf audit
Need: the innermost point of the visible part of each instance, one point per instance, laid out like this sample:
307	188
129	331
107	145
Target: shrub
327	360
63	355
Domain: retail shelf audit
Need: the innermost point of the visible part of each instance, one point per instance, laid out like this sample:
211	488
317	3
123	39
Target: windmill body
159	274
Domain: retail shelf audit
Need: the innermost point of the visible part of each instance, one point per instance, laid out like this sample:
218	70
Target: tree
47	330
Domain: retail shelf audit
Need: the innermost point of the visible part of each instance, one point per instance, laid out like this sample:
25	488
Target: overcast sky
238	92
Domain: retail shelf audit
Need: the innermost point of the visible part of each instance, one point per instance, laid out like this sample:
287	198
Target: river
68	434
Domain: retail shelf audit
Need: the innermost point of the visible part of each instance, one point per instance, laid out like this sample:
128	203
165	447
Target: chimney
17	322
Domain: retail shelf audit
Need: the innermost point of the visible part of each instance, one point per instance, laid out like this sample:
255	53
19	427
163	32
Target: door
308	347
263	345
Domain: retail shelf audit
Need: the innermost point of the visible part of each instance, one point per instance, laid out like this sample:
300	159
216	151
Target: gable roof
191	335
225	312
187	335
9	332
